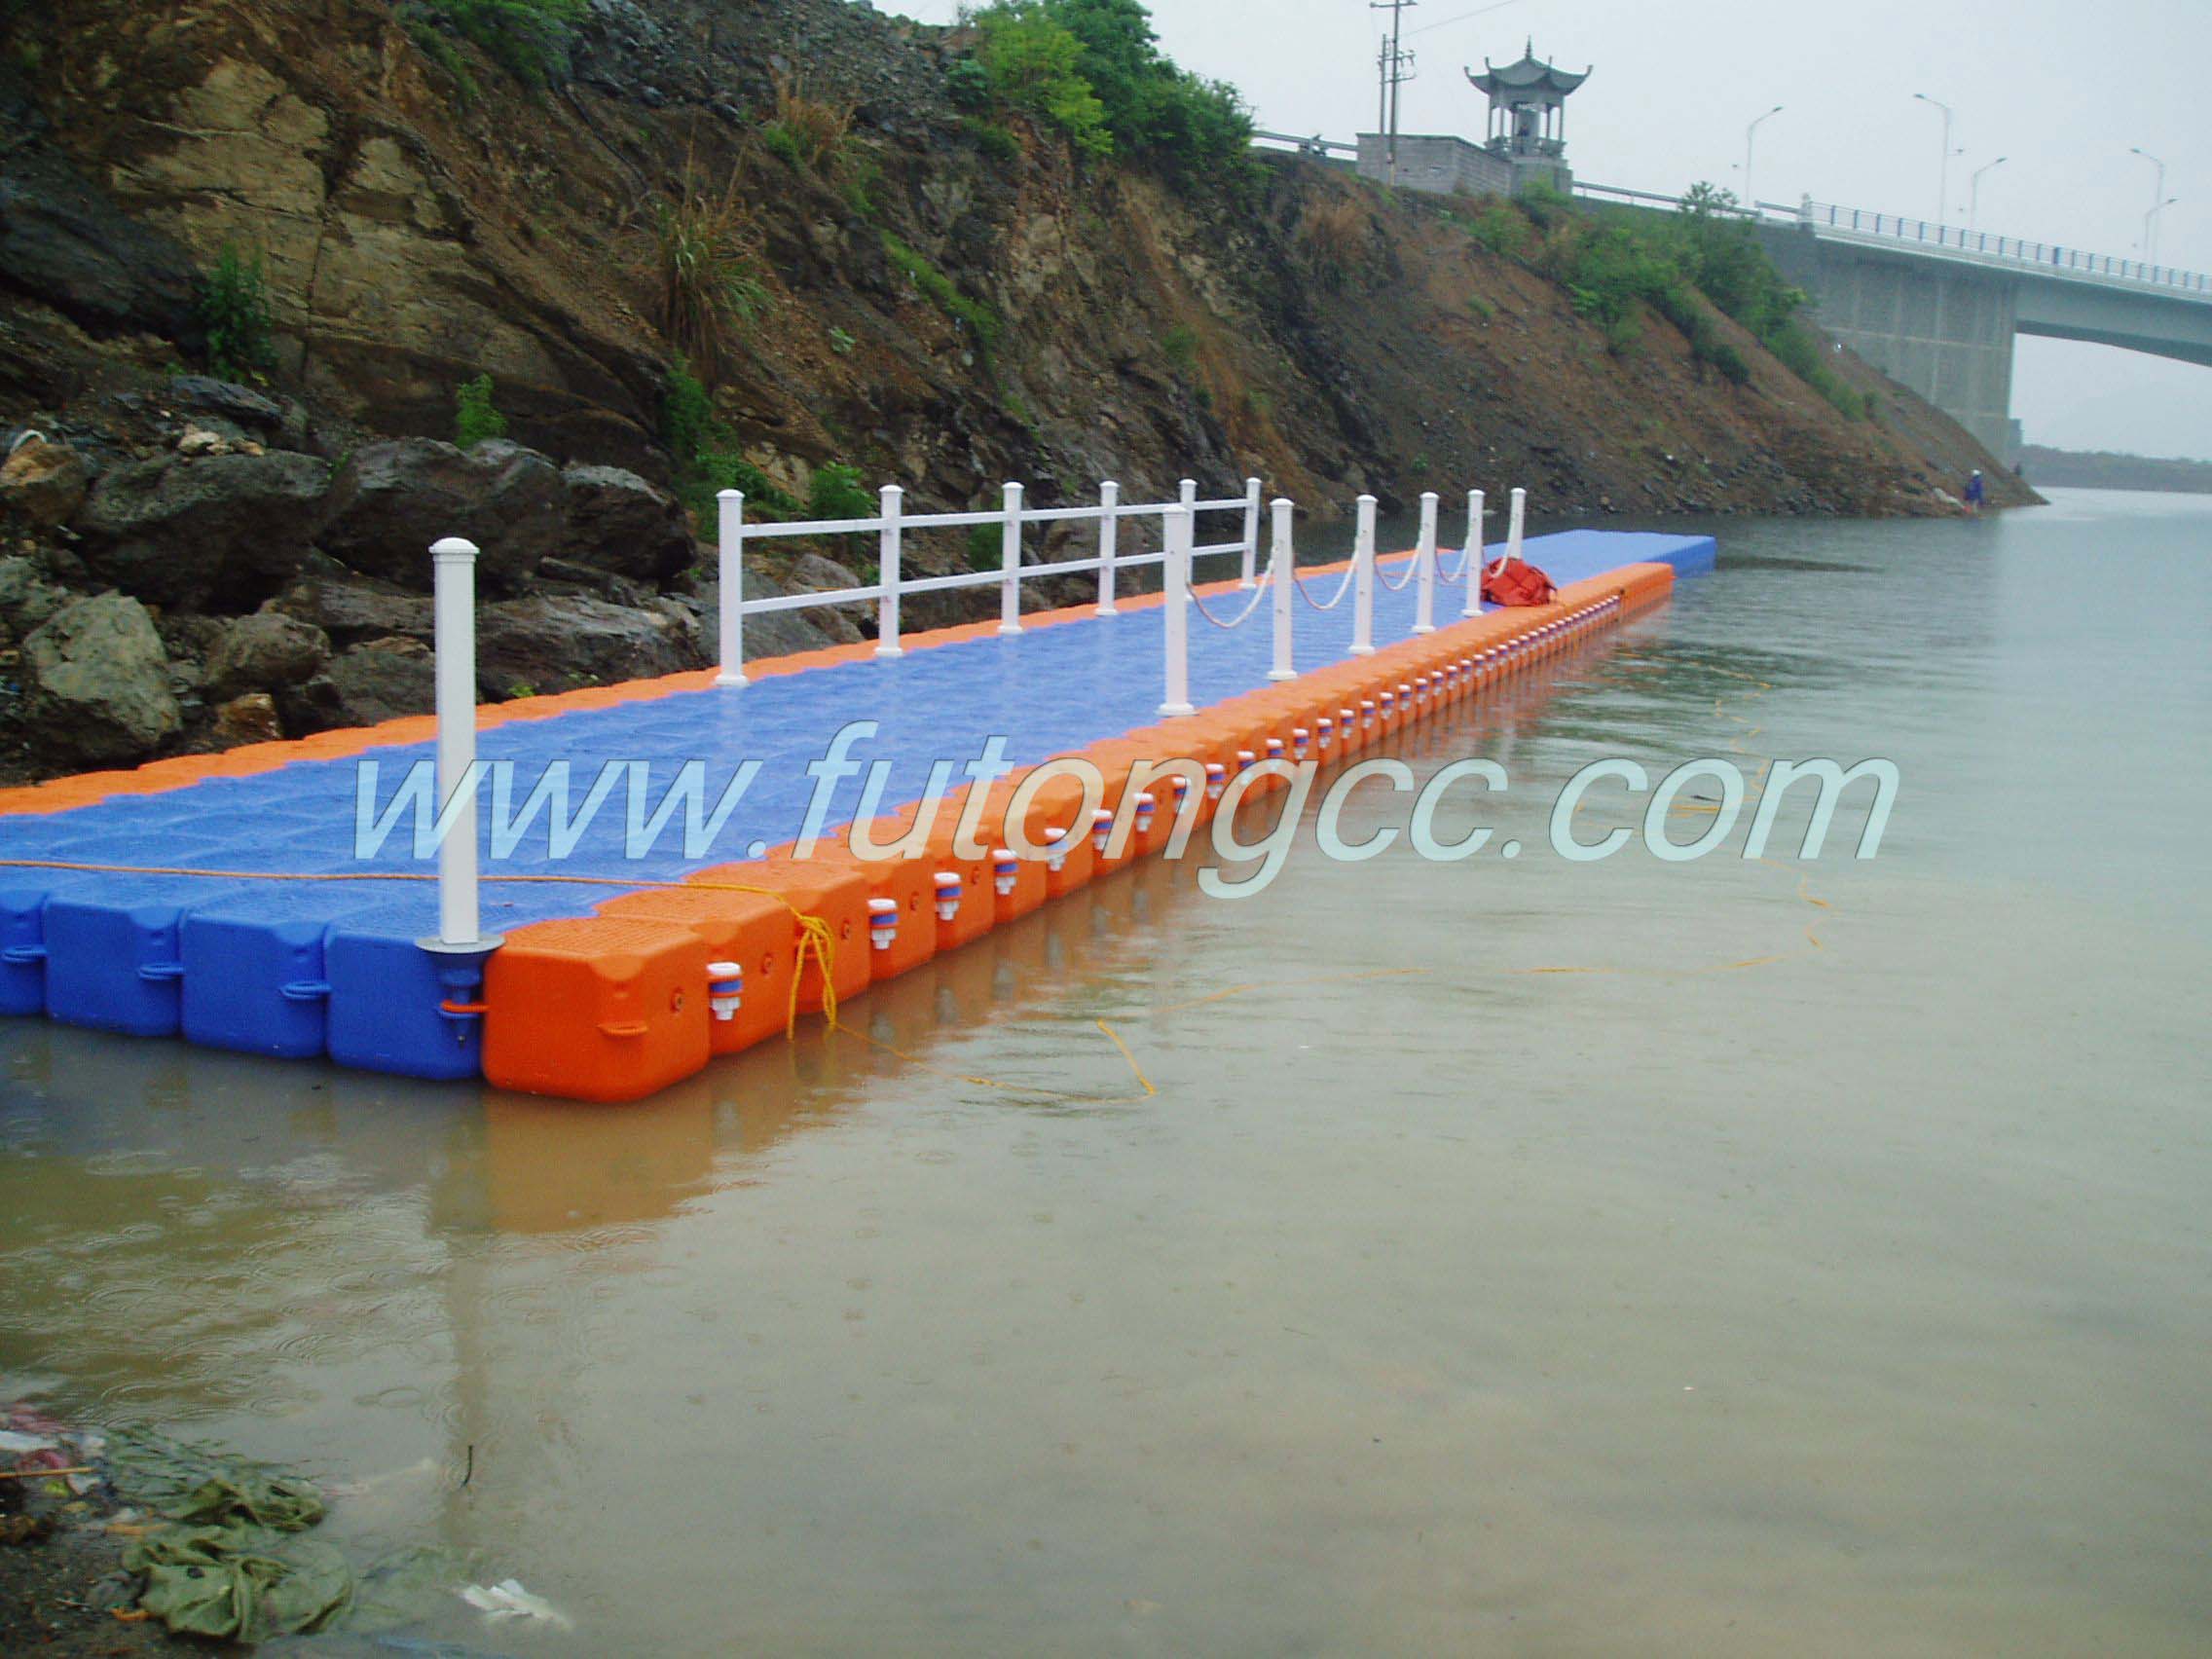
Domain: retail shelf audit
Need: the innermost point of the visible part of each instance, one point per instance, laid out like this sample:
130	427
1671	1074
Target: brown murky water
1820	1266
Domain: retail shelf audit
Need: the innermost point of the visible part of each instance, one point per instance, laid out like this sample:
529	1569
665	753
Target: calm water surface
1821	1265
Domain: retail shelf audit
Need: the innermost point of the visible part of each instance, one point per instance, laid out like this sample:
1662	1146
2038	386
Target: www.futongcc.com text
564	811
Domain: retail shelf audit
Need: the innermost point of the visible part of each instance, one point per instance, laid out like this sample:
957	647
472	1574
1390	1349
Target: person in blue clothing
1976	492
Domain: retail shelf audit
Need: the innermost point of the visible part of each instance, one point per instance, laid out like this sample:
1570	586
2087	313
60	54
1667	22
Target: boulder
251	719
26	598
534	645
96	682
44	482
391	501
264	651
221	530
617	522
241	405
380	681
352	613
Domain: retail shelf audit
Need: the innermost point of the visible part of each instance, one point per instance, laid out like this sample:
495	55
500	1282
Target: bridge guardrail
2045	256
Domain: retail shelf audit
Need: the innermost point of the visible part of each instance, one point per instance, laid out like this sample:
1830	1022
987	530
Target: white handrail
1177	613
1471	556
1424	559
1363	581
893	524
1282	567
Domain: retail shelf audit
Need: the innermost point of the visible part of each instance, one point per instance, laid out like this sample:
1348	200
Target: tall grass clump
704	280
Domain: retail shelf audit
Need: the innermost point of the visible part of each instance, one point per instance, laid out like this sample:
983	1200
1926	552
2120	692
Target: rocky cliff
902	284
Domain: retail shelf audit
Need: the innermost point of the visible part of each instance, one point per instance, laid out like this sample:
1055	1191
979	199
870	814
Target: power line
1478	12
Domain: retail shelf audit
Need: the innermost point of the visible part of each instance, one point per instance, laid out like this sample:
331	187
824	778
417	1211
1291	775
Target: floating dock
225	899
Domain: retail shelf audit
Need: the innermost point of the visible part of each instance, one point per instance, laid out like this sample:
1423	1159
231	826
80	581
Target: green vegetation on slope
1093	69
1616	261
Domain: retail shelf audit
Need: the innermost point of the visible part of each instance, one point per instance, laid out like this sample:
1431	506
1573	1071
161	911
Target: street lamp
1751	202
1973	191
2158	203
2150	230
1943	177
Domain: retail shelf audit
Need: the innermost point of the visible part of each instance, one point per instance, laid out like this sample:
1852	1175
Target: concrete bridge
1933	306
1936	306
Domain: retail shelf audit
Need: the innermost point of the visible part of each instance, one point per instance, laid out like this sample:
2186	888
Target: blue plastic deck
302	968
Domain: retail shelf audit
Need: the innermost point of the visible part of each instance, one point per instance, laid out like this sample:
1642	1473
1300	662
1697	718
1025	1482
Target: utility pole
1396	67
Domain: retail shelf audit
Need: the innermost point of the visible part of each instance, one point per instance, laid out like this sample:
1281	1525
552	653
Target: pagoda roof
1528	75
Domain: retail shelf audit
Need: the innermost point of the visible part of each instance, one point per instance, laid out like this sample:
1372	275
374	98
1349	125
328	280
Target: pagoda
1527	109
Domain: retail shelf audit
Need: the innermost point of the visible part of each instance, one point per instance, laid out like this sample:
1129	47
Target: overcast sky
2060	89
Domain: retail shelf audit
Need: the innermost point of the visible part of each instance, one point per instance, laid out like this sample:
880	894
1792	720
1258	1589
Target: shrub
836	493
528	38
474	419
995	141
1499	227
806	130
704	280
843	342
1335	239
706	454
967	84
1181	344
987	547
231	308
1093	69
1034	65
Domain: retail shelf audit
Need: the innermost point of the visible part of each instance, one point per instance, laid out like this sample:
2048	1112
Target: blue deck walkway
160	955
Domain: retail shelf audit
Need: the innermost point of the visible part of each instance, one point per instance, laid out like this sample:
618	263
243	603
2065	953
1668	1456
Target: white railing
1014	517
454	587
1818	217
1179	551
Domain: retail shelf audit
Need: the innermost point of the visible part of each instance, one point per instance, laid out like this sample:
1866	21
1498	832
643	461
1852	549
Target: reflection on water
1713	1258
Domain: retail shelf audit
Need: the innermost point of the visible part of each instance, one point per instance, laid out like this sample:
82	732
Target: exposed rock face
97	682
26	598
268	650
391	501
67	241
554	645
381	681
43	483
222	529
619	522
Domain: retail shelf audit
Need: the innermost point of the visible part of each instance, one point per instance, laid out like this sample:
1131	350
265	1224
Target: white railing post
1010	562
453	572
1474	554
1424	562
1282	565
1176	594
887	572
1108	537
1251	532
1188	497
1363	581
1513	527
732	607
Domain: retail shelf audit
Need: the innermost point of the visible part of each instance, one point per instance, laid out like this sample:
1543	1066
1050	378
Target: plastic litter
509	1600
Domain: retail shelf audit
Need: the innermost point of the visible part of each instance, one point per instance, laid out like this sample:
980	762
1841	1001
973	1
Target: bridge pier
1942	328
